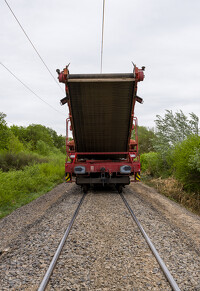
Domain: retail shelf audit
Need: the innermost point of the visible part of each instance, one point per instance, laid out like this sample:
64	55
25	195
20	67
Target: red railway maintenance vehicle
104	148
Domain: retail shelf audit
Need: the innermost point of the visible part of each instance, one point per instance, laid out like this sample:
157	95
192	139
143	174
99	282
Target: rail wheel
119	188
85	188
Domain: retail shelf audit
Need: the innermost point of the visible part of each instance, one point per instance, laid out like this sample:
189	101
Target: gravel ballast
105	250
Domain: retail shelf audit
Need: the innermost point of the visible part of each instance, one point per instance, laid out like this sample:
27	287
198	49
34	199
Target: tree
36	132
58	140
4	132
145	139
14	145
20	132
174	128
30	136
2	119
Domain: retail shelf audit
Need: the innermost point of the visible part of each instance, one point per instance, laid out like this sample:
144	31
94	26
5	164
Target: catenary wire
32	44
27	87
102	36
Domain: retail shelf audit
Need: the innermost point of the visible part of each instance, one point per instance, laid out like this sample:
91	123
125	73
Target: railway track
165	270
52	265
59	249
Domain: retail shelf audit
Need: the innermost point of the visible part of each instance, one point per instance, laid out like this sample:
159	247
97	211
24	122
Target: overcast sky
162	35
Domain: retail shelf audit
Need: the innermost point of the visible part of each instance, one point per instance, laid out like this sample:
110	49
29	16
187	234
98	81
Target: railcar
104	148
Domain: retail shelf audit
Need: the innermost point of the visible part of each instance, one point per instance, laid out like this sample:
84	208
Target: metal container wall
101	111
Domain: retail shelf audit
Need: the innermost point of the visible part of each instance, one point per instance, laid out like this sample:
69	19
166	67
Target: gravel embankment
105	250
12	225
174	231
28	252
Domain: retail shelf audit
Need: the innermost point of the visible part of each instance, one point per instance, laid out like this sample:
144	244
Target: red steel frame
110	166
94	166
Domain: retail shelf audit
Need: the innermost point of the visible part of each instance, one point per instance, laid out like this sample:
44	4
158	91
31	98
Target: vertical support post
67	137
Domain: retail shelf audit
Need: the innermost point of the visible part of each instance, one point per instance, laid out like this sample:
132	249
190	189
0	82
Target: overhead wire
102	36
28	88
32	44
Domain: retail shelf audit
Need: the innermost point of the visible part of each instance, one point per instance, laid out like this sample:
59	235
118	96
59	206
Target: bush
151	163
194	160
186	162
42	148
17	161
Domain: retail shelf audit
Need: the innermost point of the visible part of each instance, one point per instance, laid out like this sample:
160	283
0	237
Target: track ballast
165	270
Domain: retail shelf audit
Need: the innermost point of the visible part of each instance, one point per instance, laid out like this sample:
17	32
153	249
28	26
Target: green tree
145	139
21	133
36	132
2	118
58	140
14	145
4	132
174	128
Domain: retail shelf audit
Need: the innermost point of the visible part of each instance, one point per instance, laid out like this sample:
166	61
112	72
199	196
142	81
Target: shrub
186	162
17	161
42	148
194	160
151	163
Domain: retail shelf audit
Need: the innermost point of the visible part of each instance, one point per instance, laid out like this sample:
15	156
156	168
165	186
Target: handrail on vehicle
102	153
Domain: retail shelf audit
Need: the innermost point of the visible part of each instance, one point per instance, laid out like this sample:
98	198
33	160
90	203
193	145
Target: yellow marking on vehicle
137	176
68	177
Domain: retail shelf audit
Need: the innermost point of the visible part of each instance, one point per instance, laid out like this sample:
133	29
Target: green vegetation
31	163
32	160
151	163
174	128
145	137
186	162
176	157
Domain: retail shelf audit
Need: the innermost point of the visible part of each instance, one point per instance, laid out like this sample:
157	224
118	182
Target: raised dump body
101	113
101	108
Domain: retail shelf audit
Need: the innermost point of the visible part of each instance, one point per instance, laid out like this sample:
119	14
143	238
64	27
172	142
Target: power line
102	36
27	87
33	45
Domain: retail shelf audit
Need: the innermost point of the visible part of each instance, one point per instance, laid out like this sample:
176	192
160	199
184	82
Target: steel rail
59	249
153	249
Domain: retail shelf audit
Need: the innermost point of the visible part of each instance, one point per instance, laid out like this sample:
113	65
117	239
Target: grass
20	187
174	190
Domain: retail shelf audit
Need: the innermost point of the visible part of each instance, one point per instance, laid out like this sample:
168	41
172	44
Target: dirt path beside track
188	222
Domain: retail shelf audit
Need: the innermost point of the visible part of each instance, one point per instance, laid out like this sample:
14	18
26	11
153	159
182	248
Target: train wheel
119	188
85	188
